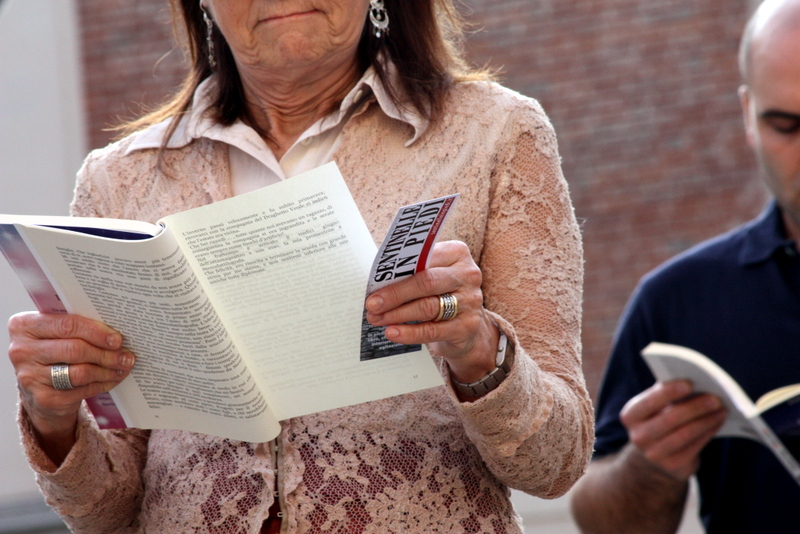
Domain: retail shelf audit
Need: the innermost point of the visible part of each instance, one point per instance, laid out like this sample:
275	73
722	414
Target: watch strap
490	382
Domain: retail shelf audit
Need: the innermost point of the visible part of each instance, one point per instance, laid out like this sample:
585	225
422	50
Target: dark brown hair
424	43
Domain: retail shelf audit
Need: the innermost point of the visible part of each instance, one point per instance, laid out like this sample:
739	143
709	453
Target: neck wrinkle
285	109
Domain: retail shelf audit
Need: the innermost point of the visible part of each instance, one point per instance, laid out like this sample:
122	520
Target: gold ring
448	307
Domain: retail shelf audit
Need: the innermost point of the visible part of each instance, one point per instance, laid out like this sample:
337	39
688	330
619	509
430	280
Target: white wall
42	142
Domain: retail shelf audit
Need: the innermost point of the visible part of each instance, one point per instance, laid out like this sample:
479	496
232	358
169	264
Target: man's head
770	94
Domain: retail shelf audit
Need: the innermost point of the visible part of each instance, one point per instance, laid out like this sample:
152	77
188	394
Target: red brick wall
642	94
130	62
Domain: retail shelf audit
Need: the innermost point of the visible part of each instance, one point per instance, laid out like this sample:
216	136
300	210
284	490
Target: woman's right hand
97	362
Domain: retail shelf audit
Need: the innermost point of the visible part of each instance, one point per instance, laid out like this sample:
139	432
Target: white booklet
241	313
773	420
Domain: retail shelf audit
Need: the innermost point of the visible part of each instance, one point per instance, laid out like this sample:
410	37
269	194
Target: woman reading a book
379	87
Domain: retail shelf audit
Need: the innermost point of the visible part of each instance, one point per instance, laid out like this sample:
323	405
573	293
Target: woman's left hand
469	340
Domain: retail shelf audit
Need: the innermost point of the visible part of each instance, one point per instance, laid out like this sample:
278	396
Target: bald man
736	299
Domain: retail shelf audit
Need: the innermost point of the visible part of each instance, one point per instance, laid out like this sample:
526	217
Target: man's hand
643	487
669	426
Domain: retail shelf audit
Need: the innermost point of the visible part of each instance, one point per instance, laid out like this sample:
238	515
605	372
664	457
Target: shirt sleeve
98	487
626	374
535	431
91	196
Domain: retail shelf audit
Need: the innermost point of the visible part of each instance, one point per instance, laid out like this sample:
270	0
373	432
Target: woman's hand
97	362
468	341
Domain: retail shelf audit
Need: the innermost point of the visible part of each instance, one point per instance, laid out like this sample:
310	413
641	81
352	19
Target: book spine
46	299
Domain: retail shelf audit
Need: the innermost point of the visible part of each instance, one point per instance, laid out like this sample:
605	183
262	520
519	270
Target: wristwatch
503	361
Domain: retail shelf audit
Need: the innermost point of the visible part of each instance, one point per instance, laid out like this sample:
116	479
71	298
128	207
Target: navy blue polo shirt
736	299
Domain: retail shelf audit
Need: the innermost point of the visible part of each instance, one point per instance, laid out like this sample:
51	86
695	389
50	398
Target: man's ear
748	113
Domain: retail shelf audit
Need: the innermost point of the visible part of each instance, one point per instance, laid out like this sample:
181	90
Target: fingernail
374	303
392	332
126	360
114	340
683	388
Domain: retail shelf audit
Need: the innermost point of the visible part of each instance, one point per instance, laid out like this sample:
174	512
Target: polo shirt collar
197	122
765	236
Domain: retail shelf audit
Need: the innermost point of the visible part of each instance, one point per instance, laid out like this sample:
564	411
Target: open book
241	313
774	419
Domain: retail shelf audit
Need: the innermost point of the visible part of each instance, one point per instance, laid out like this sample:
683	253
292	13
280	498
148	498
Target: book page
777	396
286	266
188	373
672	362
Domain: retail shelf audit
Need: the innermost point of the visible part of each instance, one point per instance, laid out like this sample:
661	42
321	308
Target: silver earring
209	40
378	17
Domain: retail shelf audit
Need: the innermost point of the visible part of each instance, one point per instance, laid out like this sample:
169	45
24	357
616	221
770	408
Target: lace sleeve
535	431
86	200
98	487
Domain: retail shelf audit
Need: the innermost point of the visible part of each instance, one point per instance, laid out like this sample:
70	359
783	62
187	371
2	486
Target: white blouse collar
197	123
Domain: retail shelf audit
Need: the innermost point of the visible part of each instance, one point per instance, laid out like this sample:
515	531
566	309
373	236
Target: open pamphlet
241	313
774	419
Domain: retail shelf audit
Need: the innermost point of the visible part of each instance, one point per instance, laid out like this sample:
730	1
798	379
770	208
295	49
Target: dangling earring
209	39
378	17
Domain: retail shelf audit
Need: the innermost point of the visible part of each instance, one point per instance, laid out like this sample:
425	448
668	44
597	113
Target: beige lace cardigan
417	463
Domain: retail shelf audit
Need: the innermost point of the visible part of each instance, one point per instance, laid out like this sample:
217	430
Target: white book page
672	362
188	374
287	266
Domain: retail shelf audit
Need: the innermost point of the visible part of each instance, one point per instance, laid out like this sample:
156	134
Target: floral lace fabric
415	463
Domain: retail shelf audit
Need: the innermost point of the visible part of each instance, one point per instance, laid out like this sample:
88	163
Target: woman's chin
297	51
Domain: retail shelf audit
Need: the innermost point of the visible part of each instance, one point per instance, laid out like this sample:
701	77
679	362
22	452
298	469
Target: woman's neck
285	107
